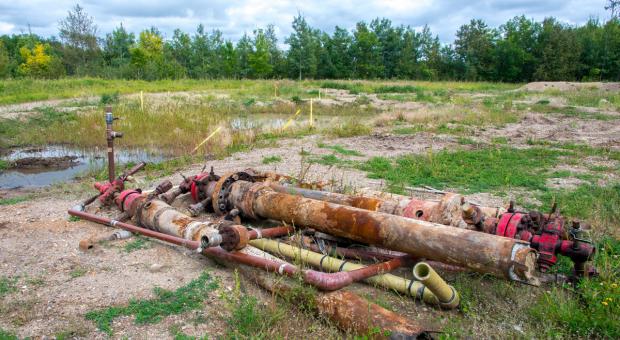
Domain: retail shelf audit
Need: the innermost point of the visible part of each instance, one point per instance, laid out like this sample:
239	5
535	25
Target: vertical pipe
109	118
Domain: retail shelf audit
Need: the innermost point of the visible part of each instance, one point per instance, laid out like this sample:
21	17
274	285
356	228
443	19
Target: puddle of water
87	159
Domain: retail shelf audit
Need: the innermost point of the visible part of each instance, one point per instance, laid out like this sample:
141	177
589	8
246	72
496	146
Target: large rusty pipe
480	252
448	210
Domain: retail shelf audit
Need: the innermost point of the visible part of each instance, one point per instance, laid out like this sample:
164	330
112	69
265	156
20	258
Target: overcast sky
234	17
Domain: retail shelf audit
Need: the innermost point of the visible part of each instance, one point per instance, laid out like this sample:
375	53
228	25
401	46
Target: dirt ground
39	245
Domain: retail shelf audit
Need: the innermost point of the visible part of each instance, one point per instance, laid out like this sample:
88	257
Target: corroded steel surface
353	313
478	251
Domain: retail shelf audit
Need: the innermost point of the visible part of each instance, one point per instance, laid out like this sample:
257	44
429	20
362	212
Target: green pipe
328	263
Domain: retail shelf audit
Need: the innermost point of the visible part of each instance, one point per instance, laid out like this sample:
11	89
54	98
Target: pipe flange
222	189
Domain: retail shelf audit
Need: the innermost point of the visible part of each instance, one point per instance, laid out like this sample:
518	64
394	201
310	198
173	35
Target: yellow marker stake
206	139
311	120
291	120
141	100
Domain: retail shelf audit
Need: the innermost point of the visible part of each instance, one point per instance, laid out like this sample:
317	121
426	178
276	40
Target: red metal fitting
126	198
194	186
109	189
508	225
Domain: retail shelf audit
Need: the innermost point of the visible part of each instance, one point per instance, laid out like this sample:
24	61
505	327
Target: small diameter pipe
324	262
323	281
446	294
270	232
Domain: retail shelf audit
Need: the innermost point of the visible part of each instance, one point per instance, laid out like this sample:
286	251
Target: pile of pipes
345	238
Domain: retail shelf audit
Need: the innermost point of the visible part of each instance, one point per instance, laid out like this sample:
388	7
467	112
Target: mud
44	163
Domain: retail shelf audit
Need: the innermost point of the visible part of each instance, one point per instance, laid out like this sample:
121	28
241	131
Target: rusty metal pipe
348	311
270	232
480	252
323	281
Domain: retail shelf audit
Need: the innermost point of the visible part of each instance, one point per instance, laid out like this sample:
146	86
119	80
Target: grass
7	285
6	335
13	200
590	309
139	242
165	303
340	149
472	171
78	272
271	159
247	319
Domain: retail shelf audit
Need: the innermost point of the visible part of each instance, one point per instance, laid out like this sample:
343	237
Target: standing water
38	167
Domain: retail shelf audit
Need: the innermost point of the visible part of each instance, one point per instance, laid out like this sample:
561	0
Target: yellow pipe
328	263
447	295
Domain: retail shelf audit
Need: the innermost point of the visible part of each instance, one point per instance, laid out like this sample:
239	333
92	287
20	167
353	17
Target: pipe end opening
421	271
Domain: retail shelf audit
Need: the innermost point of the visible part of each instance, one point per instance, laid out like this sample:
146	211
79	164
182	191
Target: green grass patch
271	159
4	164
340	149
466	141
7	335
7	285
353	88
472	171
329	160
139	242
13	200
166	302
78	272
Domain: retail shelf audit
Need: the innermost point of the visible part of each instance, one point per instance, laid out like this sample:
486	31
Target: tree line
521	50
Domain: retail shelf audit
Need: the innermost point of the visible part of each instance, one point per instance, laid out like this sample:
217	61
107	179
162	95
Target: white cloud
234	17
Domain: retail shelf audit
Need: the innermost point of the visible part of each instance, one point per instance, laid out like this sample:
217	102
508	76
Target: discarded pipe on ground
89	243
480	252
324	262
446	295
323	281
345	309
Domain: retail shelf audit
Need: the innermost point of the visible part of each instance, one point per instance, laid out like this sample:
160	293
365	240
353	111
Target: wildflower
604	303
614	285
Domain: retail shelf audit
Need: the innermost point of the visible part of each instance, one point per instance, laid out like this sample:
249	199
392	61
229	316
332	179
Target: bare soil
569	86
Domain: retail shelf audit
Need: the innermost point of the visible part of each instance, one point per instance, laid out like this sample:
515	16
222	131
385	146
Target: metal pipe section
345	309
323	281
480	252
325	262
446	294
110	136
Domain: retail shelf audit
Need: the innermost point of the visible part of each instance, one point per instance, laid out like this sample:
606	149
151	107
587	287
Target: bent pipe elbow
327	281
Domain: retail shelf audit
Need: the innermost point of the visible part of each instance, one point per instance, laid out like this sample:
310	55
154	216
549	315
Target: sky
235	17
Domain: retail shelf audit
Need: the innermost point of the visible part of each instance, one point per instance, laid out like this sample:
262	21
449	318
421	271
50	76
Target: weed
6	335
247	319
499	140
466	141
139	242
73	219
7	285
409	130
78	272
340	149
110	98
165	302
591	309
349	128
13	200
271	159
396	89
4	164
